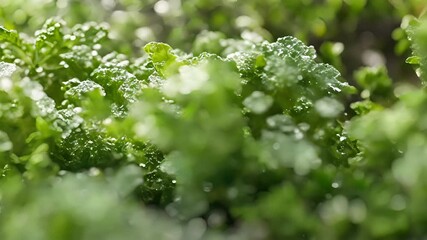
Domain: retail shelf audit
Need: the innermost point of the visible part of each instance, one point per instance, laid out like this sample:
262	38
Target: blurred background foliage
96	133
361	28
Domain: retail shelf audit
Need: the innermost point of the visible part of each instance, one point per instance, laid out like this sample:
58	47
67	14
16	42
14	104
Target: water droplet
45	106
335	89
64	64
335	185
302	104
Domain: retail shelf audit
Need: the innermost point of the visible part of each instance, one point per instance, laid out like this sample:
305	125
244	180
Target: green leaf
413	60
162	57
119	85
9	36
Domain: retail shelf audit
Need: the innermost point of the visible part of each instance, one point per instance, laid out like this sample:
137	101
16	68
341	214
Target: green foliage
417	33
55	210
238	139
376	84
